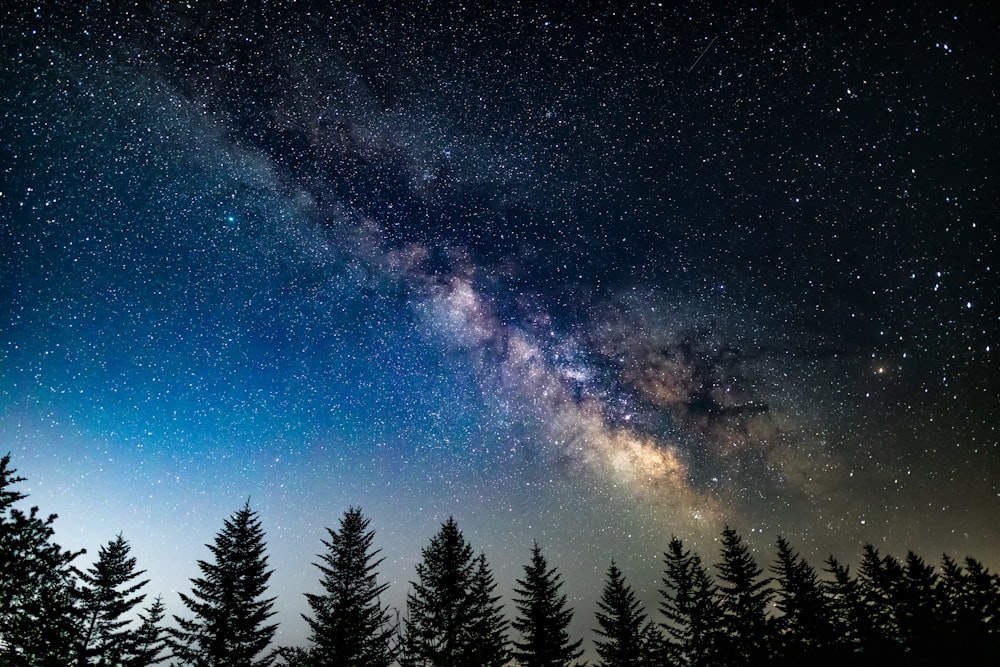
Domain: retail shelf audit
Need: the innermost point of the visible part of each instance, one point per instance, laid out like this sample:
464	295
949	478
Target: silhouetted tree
843	600
292	656
879	581
440	608
230	613
917	616
981	594
488	630
968	609
38	618
350	627
543	617
689	603
150	639
109	592
803	629
744	594
623	625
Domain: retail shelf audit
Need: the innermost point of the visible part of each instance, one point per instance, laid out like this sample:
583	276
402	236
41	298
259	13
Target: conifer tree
689	603
744	594
440	609
229	627
622	624
981	595
803	628
543	617
150	638
916	606
948	592
879	582
108	594
38	617
843	599
350	627
488	631
968	604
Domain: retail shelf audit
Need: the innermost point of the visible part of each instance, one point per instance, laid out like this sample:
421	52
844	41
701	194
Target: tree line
889	611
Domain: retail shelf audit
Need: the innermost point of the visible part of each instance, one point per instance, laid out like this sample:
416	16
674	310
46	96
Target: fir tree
916	606
843	600
108	594
440	608
981	596
350	627
689	603
968	607
803	628
622	623
948	592
150	638
230	613
744	595
879	582
488	630
38	617
543	617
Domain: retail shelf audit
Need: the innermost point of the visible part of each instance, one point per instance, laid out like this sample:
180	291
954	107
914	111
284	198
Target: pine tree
350	627
916	606
843	599
108	594
622	623
230	613
488	631
744	594
38	617
440	608
150	639
968	604
879	582
543	617
948	592
981	595
803	628
689	603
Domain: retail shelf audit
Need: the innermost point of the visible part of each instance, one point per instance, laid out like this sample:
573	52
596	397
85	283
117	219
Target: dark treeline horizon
732	611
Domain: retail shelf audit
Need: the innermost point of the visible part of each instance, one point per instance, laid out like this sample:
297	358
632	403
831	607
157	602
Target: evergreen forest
731	610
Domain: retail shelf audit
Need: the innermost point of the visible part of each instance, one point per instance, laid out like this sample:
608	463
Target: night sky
590	277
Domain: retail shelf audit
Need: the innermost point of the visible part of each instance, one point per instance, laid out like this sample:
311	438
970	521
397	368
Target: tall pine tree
488	630
744	594
350	626
803	629
843	600
690	606
543	617
879	584
622	624
150	638
38	617
440	609
968	609
108	594
917	612
229	625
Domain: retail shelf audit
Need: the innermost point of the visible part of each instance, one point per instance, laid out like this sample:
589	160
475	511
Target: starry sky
591	277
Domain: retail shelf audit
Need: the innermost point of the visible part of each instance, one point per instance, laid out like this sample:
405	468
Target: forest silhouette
888	611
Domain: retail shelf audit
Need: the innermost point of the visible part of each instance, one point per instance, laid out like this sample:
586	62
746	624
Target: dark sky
586	276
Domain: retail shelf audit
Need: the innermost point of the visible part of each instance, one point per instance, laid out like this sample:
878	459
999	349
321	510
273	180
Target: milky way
590	278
